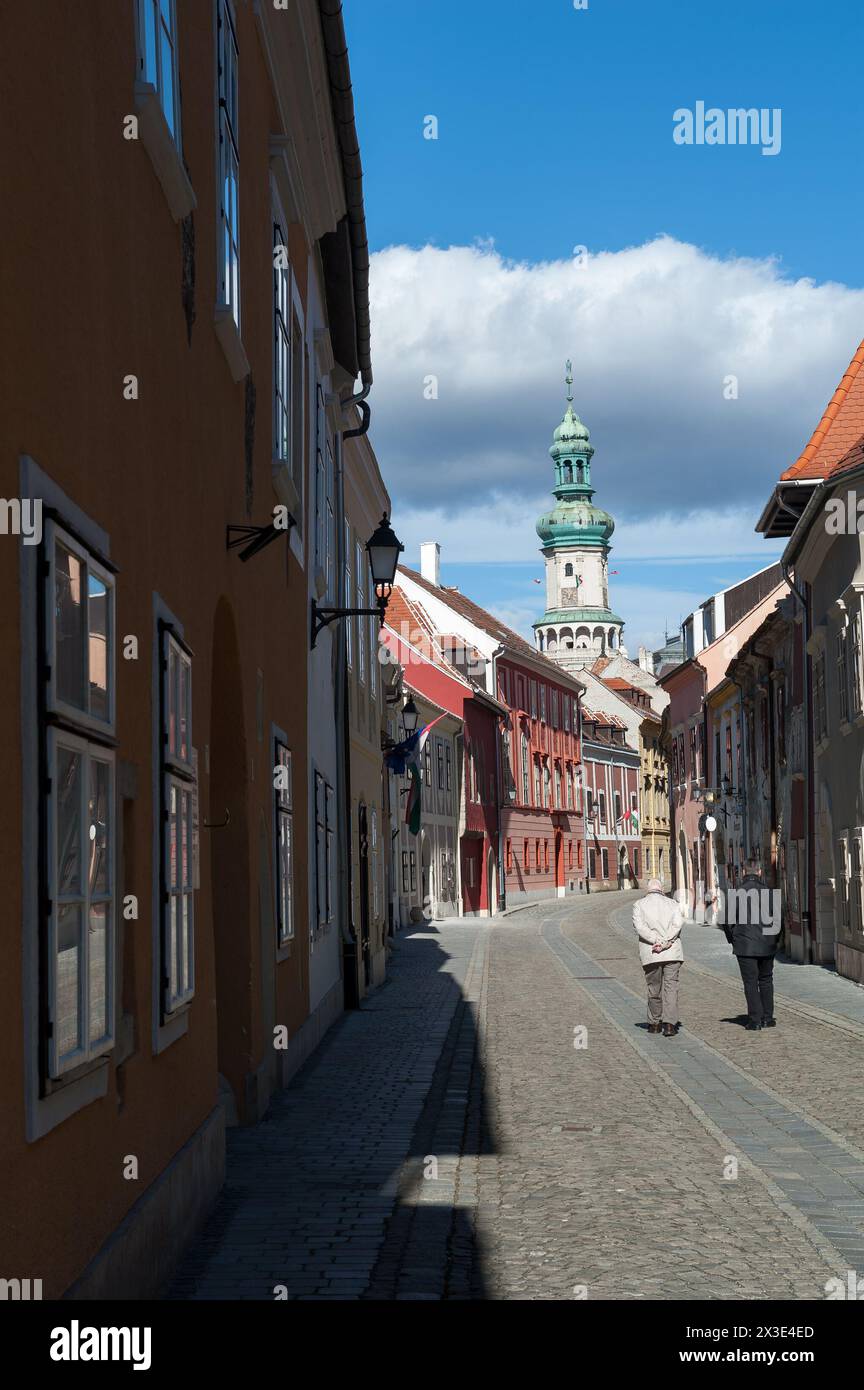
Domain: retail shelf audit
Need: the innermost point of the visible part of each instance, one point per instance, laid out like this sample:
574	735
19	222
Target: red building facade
543	829
415	645
611	769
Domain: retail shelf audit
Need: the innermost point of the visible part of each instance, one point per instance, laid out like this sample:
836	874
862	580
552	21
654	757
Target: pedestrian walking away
658	922
753	935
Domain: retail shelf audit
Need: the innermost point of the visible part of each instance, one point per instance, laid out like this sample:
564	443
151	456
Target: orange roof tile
853	459
841	425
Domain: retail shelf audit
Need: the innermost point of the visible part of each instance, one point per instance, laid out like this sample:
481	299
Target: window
605	858
820	713
439	751
843	882
526	792
157	57
547	783
533	699
570	854
330	525
554	709
526	856
855	662
321	499
537	797
229	164
546	855
361	634
537	855
427	762
349	626
856	891
80	821
568	571
178	788
405	879
281	347
601	797
449	766
781	722
509	859
589	806
636	860
728	766
842	675
283	809
617	807
592	863
325	824
565	709
558	801
542	704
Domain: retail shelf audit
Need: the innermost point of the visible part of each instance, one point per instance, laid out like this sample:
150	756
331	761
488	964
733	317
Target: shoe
769	1023
753	1027
655	1027
669	1030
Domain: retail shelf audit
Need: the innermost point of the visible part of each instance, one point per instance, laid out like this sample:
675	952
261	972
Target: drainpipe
808	912
350	982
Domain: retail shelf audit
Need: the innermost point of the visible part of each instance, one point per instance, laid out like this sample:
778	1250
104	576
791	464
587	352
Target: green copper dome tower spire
578	625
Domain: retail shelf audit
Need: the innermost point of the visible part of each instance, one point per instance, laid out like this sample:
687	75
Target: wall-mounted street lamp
409	717
383	549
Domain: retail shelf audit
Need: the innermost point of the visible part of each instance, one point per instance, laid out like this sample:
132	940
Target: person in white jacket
658	922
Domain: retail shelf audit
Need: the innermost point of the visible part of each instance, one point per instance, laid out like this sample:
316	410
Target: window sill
66	1097
820	744
283	485
232	344
164	155
846	727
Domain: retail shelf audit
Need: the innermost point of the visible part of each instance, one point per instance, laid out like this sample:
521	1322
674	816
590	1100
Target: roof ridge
829	416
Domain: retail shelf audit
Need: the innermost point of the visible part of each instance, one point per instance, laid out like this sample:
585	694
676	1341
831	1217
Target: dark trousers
757	972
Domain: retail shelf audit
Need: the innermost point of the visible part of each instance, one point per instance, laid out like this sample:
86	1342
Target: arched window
568	472
568	571
580	474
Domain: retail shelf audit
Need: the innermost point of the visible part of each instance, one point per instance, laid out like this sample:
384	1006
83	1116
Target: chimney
430	562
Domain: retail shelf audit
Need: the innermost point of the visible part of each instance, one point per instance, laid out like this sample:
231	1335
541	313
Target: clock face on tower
570	594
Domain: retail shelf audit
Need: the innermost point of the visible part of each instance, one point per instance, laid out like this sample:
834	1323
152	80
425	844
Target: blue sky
555	130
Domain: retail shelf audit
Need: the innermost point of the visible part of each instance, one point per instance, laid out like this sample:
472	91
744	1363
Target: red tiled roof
853	459
841	426
485	620
408	621
600	665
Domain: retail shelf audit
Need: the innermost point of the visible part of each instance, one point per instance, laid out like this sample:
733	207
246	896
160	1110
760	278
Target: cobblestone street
448	1140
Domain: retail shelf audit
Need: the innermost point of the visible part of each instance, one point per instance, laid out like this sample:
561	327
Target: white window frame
283	814
227	123
155	9
282	315
176	773
373	632
358	603
54	535
320	481
856	880
349	625
87	1050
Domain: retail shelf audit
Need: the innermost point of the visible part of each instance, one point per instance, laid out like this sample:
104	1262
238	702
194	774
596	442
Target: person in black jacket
753	930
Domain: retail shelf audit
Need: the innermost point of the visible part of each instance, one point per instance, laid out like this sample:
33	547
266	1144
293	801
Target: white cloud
653	331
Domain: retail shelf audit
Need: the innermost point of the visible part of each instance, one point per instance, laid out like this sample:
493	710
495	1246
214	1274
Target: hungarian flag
633	817
405	759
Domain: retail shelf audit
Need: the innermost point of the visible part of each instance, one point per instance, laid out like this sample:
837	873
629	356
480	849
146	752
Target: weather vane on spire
569	379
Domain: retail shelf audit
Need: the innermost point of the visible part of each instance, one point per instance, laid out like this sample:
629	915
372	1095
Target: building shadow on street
361	1180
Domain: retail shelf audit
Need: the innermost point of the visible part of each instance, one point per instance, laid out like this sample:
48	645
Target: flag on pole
405	759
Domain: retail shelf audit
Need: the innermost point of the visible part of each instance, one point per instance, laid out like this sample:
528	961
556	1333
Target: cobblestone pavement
448	1140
